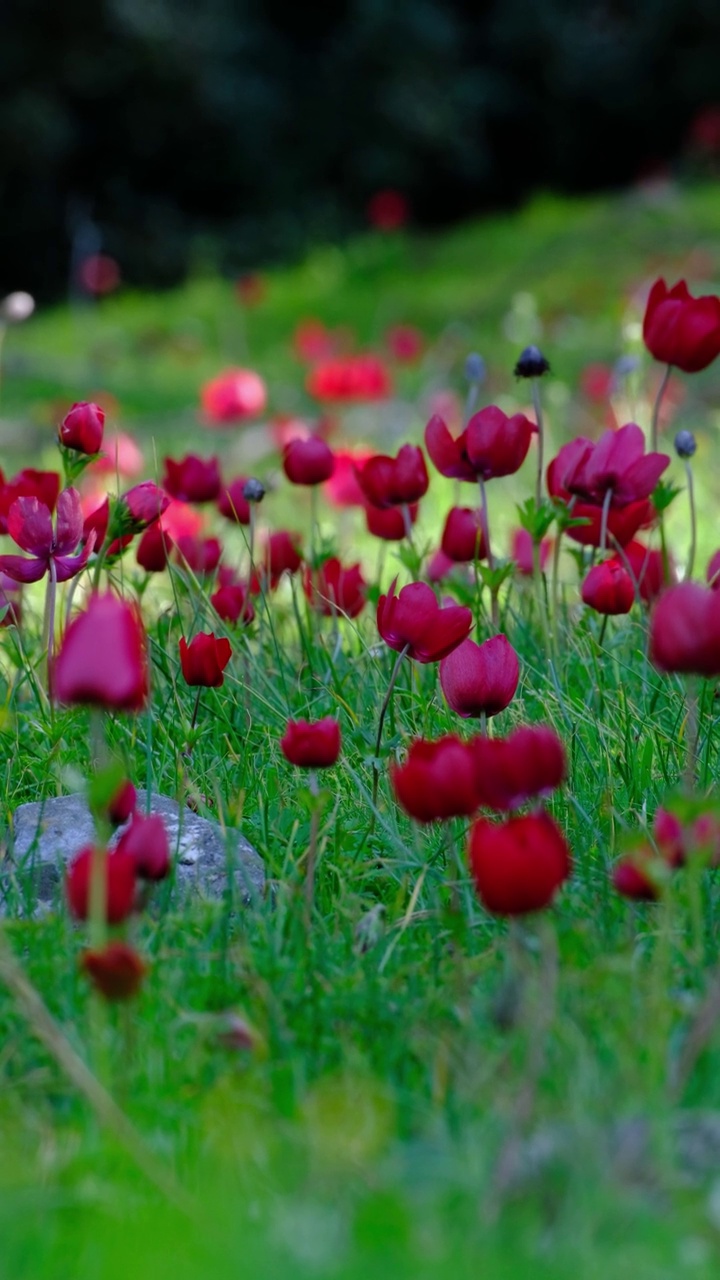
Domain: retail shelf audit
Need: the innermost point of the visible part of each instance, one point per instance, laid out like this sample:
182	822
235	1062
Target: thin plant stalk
692	731
97	906
381	721
49	621
311	861
537	406
655	419
494	612
693	520
407	521
607	500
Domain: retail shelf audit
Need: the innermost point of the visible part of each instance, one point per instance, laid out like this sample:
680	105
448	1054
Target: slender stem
381	721
540	596
195	708
251	540
554	590
49	620
407	522
494	611
621	554
603	629
311	854
655	420
693	520
485	522
691	733
313	522
604	519
537	406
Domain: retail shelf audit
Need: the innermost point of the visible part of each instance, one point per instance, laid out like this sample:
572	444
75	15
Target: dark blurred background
230	133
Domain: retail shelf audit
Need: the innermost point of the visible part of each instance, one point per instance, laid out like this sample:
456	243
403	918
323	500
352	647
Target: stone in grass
47	833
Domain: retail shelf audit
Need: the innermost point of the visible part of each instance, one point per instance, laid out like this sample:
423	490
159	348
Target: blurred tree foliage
234	130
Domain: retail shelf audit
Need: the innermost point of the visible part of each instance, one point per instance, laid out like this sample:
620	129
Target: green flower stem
311	861
693	520
49	621
381	721
692	731
655	420
604	519
537	406
494	609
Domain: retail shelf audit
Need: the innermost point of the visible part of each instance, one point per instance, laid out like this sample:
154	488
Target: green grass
401	1113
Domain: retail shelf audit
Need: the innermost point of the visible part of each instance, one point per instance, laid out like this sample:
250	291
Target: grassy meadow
409	1086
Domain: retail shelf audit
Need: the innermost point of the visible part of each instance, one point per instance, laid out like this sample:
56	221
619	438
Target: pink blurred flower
234	395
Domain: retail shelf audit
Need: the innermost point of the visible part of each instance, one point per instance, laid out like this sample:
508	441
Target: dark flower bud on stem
685	444
253	490
531	364
475	368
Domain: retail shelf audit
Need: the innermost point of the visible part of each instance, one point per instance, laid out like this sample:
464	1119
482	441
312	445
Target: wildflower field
403	563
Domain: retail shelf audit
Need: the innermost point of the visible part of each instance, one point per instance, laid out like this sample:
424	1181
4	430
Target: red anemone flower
480	679
463	538
43	485
311	745
390	523
334	588
518	865
82	428
394	482
200	555
102	658
154	548
232	503
350	379
608	588
204	660
681	330
281	554
436	781
117	971
342	489
30	526
144	504
685	630
617	465
648	570
146	842
309	462
491	445
233	396
530	762
415	620
232	603
118	870
192	479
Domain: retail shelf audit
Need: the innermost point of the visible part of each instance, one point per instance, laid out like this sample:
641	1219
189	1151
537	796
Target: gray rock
47	833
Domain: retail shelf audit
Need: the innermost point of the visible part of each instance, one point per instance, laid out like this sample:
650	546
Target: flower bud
82	428
253	490
475	368
685	444
531	364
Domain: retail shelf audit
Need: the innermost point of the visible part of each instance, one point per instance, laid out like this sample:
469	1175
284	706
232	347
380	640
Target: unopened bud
531	364
685	444
475	368
253	490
